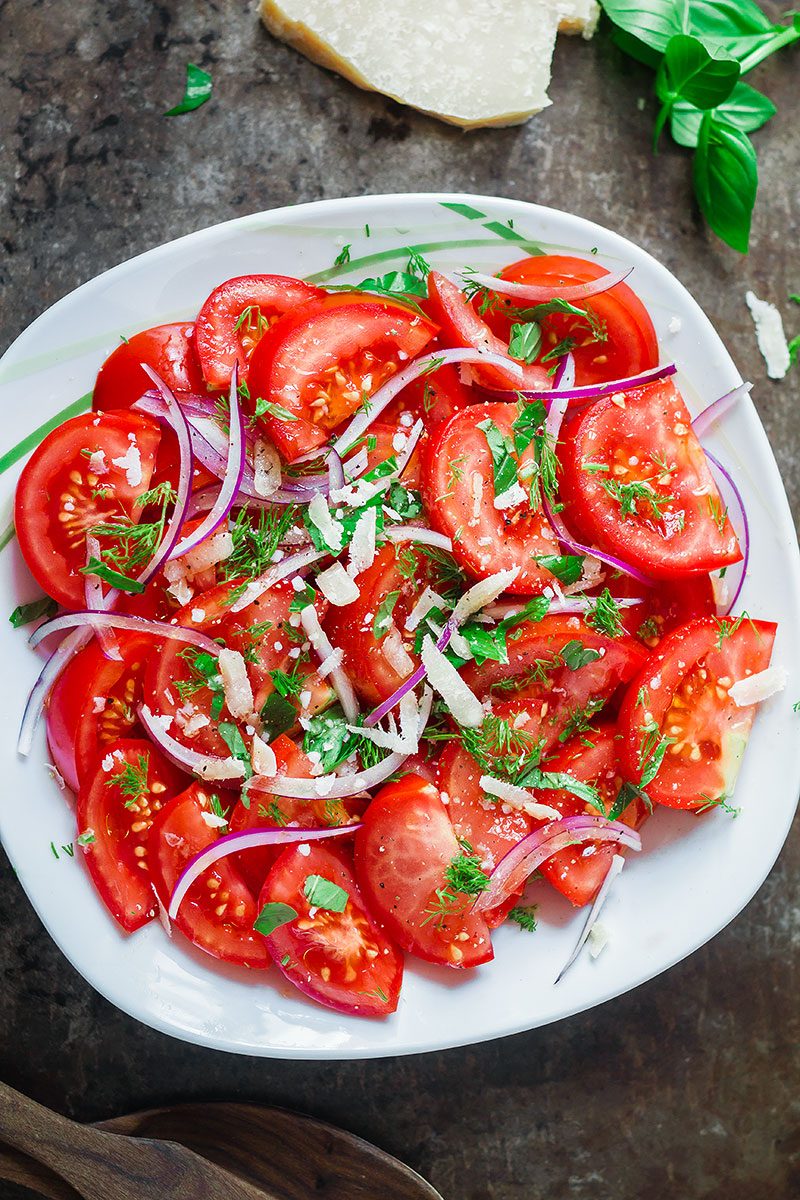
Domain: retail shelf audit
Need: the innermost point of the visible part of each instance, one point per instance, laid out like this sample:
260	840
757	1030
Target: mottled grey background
689	1086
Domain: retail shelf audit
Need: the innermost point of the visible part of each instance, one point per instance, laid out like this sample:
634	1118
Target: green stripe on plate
8	535
464	210
382	256
33	439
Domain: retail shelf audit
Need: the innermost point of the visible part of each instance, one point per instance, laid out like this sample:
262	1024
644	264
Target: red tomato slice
218	911
116	808
461	326
168	349
630	344
433	398
402	852
635	482
93	703
343	960
237	314
60	499
673	602
682	695
319	362
458	489
591	758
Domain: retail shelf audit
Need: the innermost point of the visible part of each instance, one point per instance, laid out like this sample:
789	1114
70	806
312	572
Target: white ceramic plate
695	874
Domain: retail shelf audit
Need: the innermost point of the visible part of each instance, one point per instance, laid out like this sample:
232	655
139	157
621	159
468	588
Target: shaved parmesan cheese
333	660
330	530
769	335
266	468
755	688
483	593
97	462
235	683
464	705
395	653
131	463
337	586
428	600
518	798
263	758
323	648
511	497
597	939
192	725
214	820
721	590
220	768
211	550
406	741
362	546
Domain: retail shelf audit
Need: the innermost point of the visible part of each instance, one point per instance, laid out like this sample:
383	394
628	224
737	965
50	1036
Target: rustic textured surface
687	1087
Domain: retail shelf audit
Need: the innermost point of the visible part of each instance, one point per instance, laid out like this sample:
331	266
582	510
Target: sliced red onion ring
417	533
566	604
529	854
248	839
420	366
211	768
705	419
743	532
175	417
231	482
295	564
595	390
50	672
555	416
542	292
98	601
414	678
89	621
617	863
564	377
336	478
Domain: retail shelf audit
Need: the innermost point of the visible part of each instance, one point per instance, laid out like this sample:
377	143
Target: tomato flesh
683	695
116	809
343	960
635	482
168	349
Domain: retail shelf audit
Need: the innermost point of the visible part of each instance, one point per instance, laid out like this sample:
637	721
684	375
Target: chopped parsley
24	614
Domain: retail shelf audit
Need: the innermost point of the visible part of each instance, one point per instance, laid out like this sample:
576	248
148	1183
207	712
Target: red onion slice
705	419
617	863
414	678
89	621
529	854
542	292
295	564
420	366
744	523
210	768
55	664
234	843
417	533
97	601
174	416
594	391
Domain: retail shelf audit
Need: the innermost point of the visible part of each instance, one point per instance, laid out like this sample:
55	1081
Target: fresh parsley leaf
501	450
322	893
525	342
24	614
198	90
272	916
567	568
231	736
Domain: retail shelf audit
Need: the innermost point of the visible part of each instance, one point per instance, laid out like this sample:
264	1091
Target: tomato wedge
93	703
402	853
678	720
236	315
635	482
459	490
616	342
663	608
61	497
462	326
168	349
116	809
433	398
318	363
343	960
218	911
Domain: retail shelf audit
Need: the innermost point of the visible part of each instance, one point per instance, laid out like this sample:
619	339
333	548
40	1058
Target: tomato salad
375	604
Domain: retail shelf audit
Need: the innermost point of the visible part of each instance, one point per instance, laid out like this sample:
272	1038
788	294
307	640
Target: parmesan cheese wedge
468	62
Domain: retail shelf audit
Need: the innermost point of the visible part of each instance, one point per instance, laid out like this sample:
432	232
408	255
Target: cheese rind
469	62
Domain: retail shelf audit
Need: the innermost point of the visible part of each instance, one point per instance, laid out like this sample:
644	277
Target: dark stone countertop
687	1087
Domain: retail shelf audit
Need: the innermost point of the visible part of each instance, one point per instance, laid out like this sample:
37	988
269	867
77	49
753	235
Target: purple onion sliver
89	621
725	473
175	417
414	678
542	292
41	689
705	419
336	478
597	390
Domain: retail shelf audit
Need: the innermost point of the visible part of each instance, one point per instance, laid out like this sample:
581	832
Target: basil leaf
271	409
530	418
404	501
745	109
233	739
487	643
278	715
690	72
525	342
383	616
396	283
500	447
23	614
113	578
567	568
322	893
272	916
652	22
198	90
726	181
575	655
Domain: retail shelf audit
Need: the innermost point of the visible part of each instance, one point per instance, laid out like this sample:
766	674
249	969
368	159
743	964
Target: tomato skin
168	349
684	689
54	505
295	365
364	968
217	341
177	835
631	346
672	603
77	734
462	326
652	427
116	856
485	539
432	398
402	851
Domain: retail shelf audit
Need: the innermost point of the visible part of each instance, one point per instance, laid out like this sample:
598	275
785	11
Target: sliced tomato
116	808
93	703
168	349
579	871
343	960
236	315
318	363
402	853
218	912
462	326
60	498
433	398
635	481
618	341
458	490
678	716
671	603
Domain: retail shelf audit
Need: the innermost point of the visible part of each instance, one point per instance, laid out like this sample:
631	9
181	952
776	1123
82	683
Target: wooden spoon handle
37	1132
17	1168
